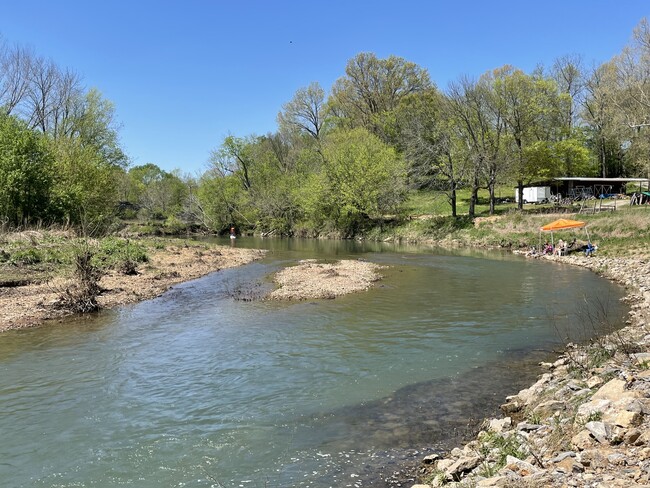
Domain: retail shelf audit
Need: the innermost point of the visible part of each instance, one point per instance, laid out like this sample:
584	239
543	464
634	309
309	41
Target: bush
27	256
115	252
81	297
174	225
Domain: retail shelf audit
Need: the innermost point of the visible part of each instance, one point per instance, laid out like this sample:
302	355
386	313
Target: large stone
526	427
634	405
522	468
595	458
590	408
529	394
495	481
600	431
431	458
511	407
614	390
548	408
569	466
582	440
462	466
643	440
641	358
617	458
444	464
628	419
631	437
594	381
562	456
500	425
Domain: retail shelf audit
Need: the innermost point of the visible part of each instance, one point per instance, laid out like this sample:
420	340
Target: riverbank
34	297
585	422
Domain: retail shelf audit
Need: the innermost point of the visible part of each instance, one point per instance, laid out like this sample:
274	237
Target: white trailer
534	194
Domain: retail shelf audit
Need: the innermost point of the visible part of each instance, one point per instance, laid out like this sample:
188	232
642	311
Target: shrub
27	256
81	296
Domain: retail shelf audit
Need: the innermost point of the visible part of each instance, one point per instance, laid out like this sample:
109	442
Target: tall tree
235	157
93	124
364	179
481	126
85	192
427	134
26	174
372	89
568	73
532	111
305	112
632	98
15	68
598	112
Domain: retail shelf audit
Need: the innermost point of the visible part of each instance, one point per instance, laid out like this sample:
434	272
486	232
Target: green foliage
501	446
223	202
371	90
95	129
159	194
364	178
114	252
26	174
84	192
27	256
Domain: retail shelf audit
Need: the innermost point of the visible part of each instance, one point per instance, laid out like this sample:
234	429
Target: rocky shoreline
584	423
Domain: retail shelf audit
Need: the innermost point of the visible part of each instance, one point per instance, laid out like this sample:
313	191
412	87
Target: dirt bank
311	279
32	304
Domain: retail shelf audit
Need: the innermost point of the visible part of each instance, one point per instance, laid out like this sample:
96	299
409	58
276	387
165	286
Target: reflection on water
196	388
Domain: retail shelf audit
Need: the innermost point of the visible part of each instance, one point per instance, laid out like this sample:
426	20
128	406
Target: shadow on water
381	443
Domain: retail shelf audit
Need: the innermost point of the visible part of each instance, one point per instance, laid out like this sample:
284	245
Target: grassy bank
621	232
35	256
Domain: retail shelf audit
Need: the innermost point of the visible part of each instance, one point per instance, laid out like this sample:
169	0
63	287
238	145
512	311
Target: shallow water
199	389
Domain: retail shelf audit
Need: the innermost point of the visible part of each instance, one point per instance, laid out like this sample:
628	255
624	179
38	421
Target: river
203	387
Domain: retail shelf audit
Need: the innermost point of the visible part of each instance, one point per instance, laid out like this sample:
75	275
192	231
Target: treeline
59	151
346	161
338	162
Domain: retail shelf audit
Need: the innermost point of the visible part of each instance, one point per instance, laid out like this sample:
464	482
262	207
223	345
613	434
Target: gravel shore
35	304
584	423
311	279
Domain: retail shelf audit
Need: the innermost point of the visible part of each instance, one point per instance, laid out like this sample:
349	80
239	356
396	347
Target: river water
203	387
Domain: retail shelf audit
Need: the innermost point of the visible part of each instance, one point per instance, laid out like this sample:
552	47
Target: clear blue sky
185	74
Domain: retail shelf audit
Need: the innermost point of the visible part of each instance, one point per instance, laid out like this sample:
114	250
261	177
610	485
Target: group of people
562	248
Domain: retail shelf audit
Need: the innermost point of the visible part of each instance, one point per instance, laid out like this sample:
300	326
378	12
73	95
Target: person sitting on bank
561	248
590	249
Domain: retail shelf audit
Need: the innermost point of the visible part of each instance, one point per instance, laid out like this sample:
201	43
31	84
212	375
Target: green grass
427	216
37	256
436	203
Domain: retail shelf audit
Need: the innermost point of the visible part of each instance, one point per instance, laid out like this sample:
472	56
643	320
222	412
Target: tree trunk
452	202
491	186
603	157
520	190
473	201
